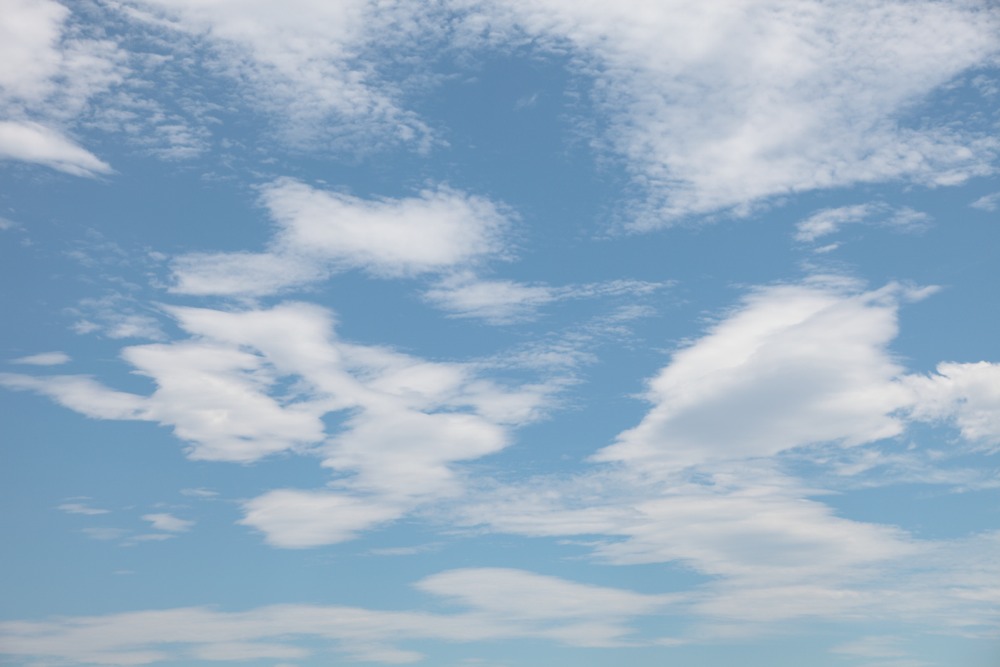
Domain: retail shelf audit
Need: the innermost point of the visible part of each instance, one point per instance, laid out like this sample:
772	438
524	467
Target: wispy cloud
43	359
50	74
81	508
493	604
829	221
508	302
406	423
725	108
32	142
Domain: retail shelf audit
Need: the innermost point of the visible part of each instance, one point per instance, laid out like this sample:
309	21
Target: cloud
50	69
168	522
80	508
320	232
830	220
295	519
80	393
703	480
313	66
507	302
248	384
50	74
873	646
43	359
967	394
32	142
794	365
987	202
495	604
723	108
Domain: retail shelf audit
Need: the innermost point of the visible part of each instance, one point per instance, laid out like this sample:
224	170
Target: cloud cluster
700	481
722	107
248	384
313	65
50	74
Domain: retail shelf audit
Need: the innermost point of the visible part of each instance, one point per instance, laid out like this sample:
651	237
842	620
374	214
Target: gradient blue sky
481	333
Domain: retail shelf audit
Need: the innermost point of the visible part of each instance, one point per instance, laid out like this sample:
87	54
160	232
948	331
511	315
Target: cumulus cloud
320	232
721	108
494	604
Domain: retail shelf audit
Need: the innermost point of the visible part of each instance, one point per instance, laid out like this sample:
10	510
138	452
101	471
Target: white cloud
49	76
507	301
322	231
49	70
723	106
32	142
967	394
496	604
496	301
168	522
296	519
987	202
44	359
249	384
80	393
830	220
312	65
873	646
81	508
795	365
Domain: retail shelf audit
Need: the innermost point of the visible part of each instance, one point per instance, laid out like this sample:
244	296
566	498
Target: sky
500	333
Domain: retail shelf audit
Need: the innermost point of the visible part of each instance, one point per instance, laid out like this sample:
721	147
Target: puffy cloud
496	604
168	522
721	107
967	394
794	365
295	519
322	231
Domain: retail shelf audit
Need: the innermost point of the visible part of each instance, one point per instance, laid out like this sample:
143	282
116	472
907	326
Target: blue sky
481	333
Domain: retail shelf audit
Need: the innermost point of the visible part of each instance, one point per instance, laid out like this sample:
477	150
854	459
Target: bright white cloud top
496	333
